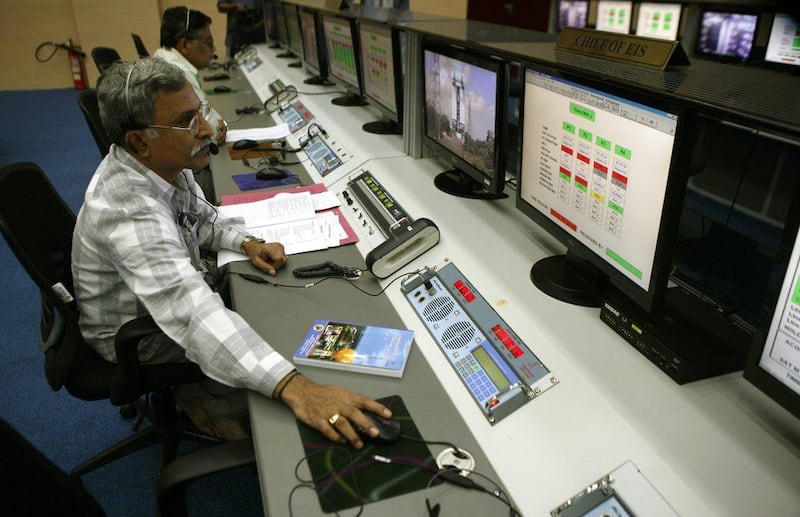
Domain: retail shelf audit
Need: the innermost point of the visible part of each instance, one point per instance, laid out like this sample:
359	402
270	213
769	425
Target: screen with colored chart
658	20
340	46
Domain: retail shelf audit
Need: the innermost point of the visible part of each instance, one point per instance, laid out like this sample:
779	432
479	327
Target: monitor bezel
493	183
638	5
397	65
287	11
765	381
318	69
282	36
356	89
652	298
723	9
558	14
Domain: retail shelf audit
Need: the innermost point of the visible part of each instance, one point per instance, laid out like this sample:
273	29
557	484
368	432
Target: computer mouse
222	89
244	143
389	430
271	173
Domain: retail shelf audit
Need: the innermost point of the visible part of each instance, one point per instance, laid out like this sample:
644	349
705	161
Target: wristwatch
247	240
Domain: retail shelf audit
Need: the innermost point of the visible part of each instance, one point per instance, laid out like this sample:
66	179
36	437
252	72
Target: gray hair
126	91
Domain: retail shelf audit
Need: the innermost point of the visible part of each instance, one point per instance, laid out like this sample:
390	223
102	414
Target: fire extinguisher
77	63
77	60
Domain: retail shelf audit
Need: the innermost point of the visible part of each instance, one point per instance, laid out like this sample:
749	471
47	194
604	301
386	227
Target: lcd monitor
294	34
464	118
783	46
313	53
726	35
270	24
657	20
281	33
341	46
603	169
382	74
773	365
572	13
614	16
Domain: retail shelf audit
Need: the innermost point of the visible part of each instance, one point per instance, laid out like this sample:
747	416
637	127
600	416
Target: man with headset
186	42
136	251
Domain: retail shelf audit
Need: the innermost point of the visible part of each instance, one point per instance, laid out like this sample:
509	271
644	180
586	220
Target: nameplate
635	50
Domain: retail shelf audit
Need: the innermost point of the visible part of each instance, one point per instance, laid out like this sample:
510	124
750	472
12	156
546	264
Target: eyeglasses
194	125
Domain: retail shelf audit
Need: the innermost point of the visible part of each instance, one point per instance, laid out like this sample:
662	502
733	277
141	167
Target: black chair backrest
104	56
38	226
139	44
87	100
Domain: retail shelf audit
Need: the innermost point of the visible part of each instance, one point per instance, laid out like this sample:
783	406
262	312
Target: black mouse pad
345	477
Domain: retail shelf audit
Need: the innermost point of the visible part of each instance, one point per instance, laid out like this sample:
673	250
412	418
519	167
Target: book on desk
353	347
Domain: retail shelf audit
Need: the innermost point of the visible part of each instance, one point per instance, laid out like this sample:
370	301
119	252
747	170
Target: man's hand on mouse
334	411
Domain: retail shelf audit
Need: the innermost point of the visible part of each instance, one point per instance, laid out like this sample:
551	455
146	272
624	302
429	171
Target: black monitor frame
393	125
701	52
582	276
294	33
561	3
314	56
282	34
681	13
354	95
466	179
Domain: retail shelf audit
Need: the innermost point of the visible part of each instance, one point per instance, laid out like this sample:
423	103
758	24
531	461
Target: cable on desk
250	277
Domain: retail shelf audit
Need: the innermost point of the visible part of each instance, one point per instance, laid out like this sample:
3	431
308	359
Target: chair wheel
127	411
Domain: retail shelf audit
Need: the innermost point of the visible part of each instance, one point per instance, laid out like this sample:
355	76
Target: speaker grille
458	335
438	308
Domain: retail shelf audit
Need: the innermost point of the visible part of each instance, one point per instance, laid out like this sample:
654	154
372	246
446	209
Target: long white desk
715	447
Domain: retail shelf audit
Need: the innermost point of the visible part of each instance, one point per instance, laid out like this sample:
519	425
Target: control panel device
296	116
494	364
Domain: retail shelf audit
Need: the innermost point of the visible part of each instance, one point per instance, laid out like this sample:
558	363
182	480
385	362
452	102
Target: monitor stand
317	81
569	278
456	183
274	45
295	64
350	99
383	127
286	55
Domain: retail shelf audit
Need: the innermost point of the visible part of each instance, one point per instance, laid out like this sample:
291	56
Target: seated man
136	251
186	42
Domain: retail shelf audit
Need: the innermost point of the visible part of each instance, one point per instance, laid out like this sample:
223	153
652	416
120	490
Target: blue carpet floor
46	127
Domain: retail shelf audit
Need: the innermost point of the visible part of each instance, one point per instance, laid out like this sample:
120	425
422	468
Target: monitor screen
382	74
726	34
341	49
614	16
572	13
773	365
280	22
465	99
658	20
293	32
783	46
308	26
599	170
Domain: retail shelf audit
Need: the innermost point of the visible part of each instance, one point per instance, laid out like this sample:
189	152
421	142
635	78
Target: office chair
139	44
87	100
104	56
38	227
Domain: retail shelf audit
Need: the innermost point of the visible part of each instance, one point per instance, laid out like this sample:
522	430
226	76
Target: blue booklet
356	348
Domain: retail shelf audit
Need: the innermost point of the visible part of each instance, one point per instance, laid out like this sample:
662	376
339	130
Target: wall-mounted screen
783	46
657	20
614	16
572	13
726	34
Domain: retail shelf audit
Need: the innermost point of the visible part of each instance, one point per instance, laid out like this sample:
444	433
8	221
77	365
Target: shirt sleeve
155	265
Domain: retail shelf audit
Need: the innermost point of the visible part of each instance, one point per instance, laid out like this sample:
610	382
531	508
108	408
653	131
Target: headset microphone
213	148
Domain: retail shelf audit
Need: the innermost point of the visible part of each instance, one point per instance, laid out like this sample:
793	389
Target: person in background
136	251
186	42
245	25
